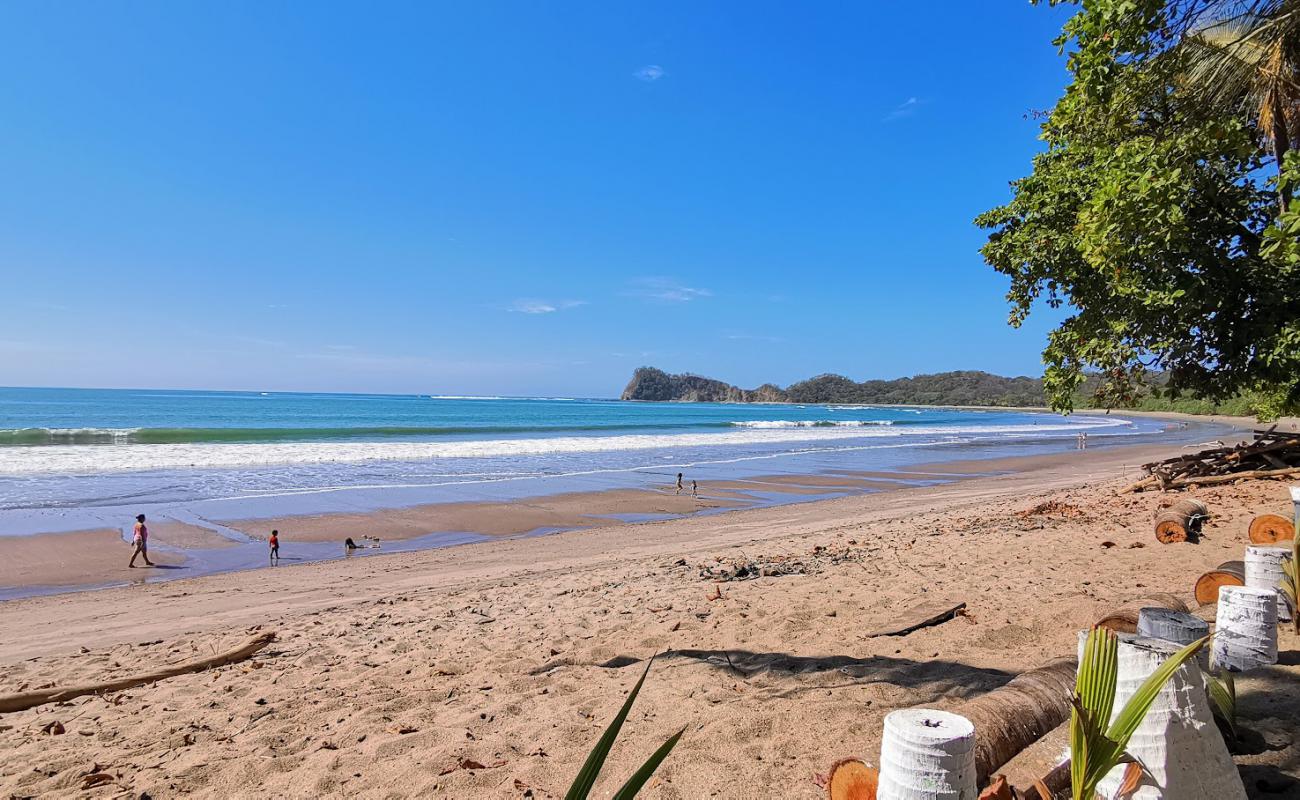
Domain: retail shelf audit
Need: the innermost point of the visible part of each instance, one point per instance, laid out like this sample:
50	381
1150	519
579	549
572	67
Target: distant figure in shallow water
140	541
274	541
349	545
695	489
679	483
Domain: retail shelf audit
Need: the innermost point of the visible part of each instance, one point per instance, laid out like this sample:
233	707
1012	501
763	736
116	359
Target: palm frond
586	777
1249	63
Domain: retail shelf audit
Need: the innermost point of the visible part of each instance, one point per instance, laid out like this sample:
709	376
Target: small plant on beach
1222	689
1098	745
1291	578
586	779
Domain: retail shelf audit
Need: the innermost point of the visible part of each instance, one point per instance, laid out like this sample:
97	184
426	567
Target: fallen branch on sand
24	700
921	615
1271	455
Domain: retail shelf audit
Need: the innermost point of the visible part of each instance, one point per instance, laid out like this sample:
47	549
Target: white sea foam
811	423
137	457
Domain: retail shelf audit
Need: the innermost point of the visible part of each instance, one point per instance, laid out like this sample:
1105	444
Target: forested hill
963	388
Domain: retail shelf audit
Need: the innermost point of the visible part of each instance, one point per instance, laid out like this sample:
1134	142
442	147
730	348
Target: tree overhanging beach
1153	214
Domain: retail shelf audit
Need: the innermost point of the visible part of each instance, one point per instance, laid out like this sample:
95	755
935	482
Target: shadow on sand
938	676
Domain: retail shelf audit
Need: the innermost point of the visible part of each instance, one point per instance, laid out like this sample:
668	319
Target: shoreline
62	562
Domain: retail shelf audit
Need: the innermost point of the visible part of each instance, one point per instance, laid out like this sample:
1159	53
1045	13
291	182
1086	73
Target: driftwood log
1270	455
1229	573
25	700
1012	717
1271	529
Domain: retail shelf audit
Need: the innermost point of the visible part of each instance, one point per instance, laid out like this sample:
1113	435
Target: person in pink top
141	542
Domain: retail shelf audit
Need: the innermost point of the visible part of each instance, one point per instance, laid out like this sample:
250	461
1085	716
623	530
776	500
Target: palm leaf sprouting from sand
1250	63
1222	690
1097	747
586	779
1290	585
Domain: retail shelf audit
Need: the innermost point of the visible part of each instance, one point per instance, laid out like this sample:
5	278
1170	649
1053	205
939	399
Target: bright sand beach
490	669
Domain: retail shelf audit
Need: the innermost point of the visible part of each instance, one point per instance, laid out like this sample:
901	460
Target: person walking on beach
695	489
274	541
679	483
140	541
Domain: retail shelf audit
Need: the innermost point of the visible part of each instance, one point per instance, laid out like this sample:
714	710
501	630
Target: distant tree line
960	388
966	387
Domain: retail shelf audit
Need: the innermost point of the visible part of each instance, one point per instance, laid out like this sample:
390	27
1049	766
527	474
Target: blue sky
509	197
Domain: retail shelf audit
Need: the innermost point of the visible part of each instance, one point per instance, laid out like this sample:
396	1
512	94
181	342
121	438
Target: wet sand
568	511
72	559
59	561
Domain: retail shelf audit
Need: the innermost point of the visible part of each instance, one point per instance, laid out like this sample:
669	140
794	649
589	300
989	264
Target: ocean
77	458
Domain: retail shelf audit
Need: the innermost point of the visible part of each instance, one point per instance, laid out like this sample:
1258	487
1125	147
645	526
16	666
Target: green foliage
1097	745
1290	586
586	778
1148	217
960	388
1264	406
1222	689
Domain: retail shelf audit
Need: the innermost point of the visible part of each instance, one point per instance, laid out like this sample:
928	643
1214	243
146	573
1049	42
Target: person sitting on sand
679	483
140	541
274	541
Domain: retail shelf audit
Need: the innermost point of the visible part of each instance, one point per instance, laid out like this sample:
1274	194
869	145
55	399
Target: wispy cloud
904	109
751	337
42	305
666	290
649	73
532	306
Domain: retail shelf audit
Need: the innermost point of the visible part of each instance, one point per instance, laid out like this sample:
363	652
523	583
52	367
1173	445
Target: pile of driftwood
1272	454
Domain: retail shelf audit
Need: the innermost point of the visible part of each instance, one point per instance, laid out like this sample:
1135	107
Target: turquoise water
53	417
72	458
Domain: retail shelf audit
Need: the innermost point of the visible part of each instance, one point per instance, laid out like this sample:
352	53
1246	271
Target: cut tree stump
923	614
1198	511
1229	573
1124	619
1175	526
1271	529
851	779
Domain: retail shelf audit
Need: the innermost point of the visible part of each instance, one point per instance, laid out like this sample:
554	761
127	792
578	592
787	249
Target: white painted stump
1245	635
1177	741
1264	571
927	755
1178	627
